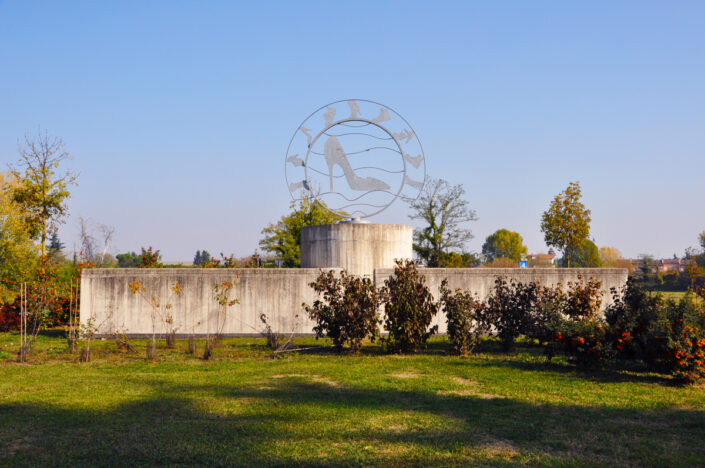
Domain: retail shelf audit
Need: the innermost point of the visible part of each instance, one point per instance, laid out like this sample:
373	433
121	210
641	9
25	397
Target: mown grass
315	408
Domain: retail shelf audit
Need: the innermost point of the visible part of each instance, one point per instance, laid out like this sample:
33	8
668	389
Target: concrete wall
278	293
480	281
358	248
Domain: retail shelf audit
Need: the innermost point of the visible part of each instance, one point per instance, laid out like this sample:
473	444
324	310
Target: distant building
542	260
671	264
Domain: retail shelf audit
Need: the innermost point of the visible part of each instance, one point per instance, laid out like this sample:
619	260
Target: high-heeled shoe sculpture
334	154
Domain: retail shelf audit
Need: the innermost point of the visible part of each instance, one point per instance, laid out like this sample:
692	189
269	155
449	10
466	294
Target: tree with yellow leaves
18	253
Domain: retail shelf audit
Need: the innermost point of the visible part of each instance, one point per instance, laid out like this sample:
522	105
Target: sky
178	114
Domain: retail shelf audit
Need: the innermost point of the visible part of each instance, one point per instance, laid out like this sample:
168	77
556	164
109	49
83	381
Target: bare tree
89	239
443	208
107	233
42	192
88	244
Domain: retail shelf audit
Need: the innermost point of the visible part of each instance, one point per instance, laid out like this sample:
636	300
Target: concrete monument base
359	248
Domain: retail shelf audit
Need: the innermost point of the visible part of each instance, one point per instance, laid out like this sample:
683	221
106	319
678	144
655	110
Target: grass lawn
315	408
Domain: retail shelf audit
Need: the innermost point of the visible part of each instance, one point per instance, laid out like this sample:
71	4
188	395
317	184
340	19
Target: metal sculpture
372	150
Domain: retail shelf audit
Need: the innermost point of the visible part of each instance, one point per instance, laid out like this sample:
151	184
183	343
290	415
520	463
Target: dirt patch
456	392
469	392
325	381
500	448
405	375
315	378
462	381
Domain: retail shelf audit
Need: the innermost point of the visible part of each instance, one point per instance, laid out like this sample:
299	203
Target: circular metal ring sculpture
357	165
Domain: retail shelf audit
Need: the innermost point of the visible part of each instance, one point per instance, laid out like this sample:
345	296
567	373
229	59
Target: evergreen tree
55	245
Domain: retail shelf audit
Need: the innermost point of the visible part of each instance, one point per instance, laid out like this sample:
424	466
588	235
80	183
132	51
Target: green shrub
546	313
648	328
409	308
465	318
508	309
348	311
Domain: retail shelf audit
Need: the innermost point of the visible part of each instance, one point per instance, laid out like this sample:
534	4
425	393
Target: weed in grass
192	346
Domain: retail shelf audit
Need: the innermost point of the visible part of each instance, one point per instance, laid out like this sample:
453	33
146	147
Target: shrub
583	299
348	311
688	355
465	319
639	327
647	327
10	317
508	309
409	308
546	313
584	341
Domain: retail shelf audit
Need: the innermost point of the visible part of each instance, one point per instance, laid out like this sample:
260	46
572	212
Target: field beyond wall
315	408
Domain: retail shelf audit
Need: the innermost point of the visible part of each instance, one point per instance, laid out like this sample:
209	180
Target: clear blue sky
178	114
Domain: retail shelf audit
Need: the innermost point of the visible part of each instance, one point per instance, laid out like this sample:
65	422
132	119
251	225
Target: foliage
128	260
584	298
648	327
18	254
688	355
458	260
584	255
504	244
409	308
444	210
348	312
9	317
284	237
567	222
42	193
503	263
201	257
508	309
611	257
465	320
584	341
546	313
150	259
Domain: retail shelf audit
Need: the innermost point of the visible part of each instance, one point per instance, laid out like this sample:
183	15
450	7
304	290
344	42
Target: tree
55	244
17	251
504	244
585	255
700	259
283	238
567	222
444	210
42	193
128	260
612	258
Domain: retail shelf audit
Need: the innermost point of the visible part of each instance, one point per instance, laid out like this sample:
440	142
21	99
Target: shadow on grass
615	373
297	421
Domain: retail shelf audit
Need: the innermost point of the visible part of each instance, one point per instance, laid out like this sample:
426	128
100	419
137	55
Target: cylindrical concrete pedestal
358	248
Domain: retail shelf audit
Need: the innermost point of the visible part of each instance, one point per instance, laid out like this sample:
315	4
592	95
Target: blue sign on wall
522	264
